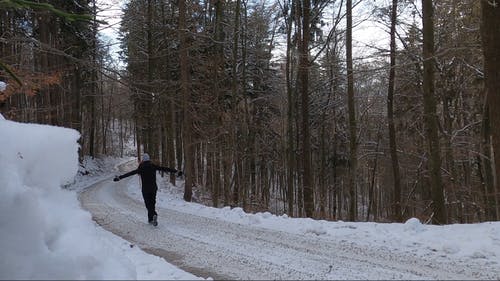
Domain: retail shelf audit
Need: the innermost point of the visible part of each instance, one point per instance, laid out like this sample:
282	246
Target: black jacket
147	171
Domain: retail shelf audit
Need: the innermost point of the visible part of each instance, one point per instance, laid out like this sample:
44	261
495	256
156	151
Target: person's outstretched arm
117	178
168	170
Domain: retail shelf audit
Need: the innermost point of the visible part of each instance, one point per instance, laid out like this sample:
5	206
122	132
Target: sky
110	11
45	232
366	34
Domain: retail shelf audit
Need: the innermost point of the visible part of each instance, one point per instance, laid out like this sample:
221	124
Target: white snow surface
56	239
465	242
3	86
457	251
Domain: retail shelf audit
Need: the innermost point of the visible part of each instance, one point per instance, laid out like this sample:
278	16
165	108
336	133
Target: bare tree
187	128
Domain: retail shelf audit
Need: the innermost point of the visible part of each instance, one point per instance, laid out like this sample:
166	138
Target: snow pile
3	86
40	220
413	225
44	233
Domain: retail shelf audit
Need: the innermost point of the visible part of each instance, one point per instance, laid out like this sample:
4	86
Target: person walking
147	171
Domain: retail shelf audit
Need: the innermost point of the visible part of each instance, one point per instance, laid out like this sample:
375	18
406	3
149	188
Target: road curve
223	250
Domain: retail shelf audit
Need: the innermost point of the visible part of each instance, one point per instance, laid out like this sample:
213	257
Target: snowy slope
44	233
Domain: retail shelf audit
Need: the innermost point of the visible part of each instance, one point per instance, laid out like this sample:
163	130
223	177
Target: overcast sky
366	33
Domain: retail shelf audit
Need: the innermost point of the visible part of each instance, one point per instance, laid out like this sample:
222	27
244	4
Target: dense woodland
265	106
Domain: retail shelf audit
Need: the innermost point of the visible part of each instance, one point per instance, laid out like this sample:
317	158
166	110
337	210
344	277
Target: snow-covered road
210	247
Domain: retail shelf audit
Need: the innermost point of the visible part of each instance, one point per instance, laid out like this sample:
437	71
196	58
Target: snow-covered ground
56	239
231	244
44	233
464	242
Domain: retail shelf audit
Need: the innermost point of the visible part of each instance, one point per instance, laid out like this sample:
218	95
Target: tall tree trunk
234	105
390	116
324	144
290	114
248	170
91	98
170	136
430	115
186	103
150	102
304	85
138	137
221	182
352	117
168	106
371	193
486	175
215	175
323	150
490	35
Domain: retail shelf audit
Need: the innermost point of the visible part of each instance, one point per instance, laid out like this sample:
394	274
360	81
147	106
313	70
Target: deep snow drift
44	233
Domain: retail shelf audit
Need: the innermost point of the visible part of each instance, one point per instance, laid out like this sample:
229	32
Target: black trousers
150	201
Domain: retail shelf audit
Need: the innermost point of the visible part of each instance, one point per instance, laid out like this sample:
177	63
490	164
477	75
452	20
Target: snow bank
472	242
44	234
